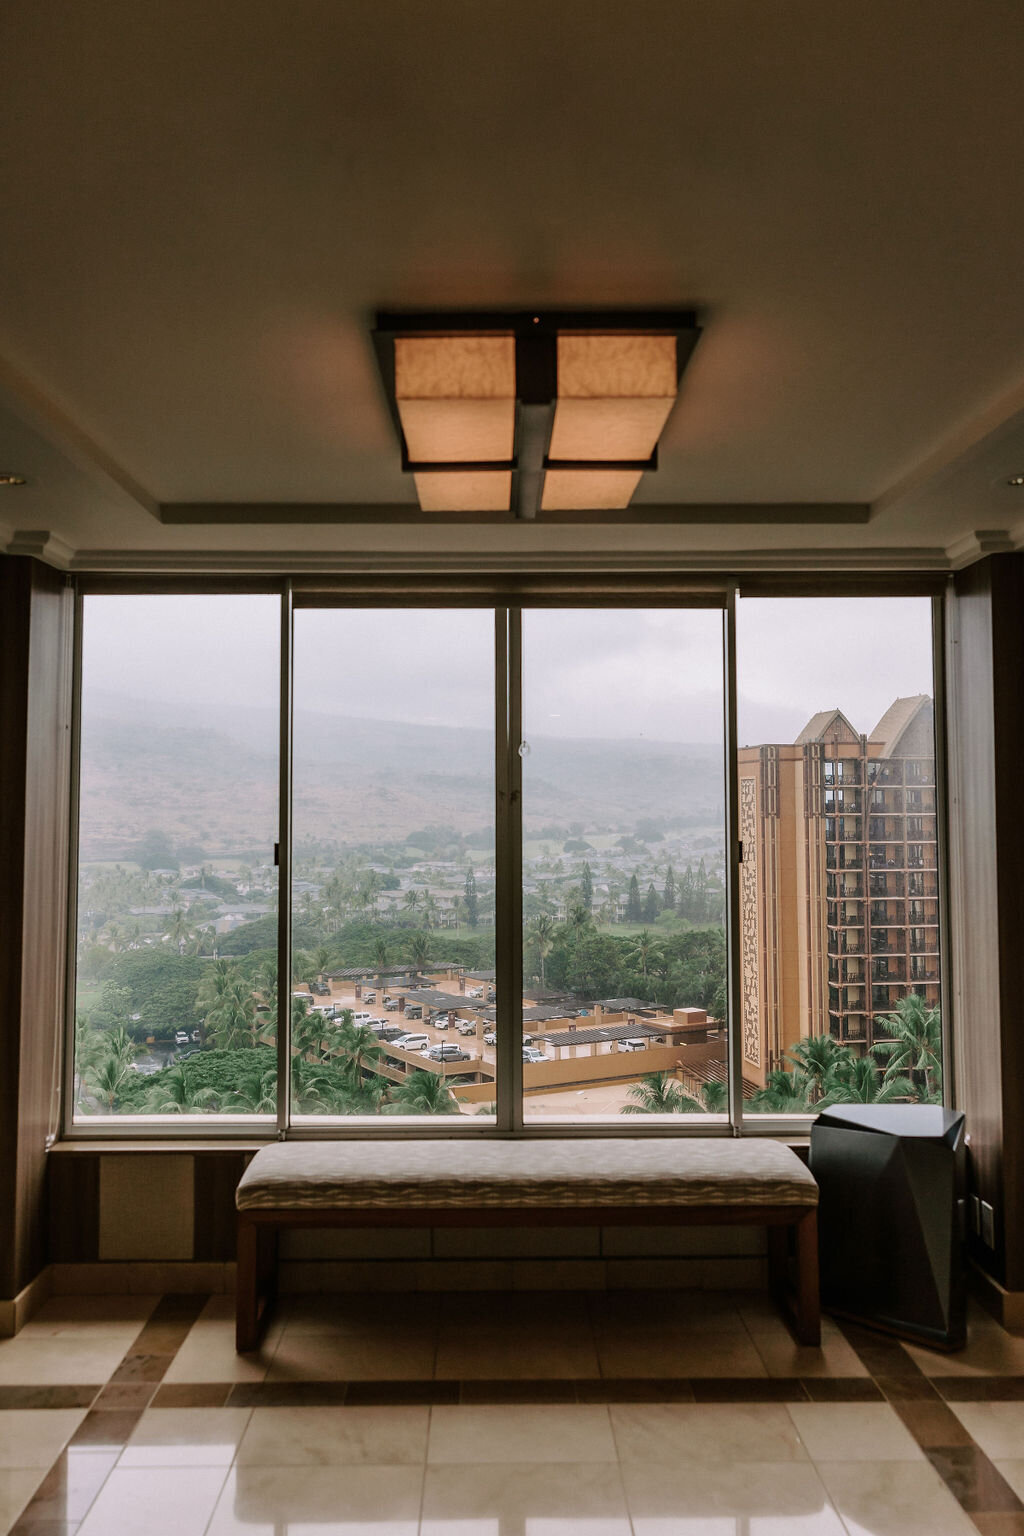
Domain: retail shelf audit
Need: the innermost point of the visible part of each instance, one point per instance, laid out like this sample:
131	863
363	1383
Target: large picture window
400	863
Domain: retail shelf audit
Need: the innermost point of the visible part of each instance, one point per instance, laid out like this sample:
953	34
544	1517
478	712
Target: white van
632	1045
412	1042
362	1018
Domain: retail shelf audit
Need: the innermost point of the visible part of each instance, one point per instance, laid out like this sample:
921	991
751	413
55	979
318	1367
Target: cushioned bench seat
614	1180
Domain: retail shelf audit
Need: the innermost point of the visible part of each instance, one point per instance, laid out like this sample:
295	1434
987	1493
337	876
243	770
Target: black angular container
891	1219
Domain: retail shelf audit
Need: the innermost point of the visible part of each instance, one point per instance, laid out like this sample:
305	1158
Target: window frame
507	594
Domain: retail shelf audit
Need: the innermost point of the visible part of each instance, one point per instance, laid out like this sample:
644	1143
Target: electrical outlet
988	1225
975	1209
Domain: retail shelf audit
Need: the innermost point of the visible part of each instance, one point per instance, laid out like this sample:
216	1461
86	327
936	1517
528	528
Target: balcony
888	772
890	970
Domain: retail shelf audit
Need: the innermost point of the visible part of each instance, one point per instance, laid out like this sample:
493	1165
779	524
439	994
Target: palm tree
179	929
644	950
541	932
419	950
254	1094
322	959
715	1096
422	1093
179	1094
106	1079
657	1093
861	1082
822	1059
785	1093
915	1050
381	957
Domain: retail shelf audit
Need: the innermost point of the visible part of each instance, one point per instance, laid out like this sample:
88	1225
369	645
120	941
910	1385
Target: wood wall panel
35	629
986	653
215	1181
73	1200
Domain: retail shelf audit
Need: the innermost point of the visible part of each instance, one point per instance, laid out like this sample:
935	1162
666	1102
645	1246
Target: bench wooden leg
256	1288
807	1314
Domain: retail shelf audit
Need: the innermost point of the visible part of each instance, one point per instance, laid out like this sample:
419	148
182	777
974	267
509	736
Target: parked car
390	1005
490	1037
447	1051
369	997
441	1021
467	1027
632	1045
196	1037
530	1053
412	1042
182	1037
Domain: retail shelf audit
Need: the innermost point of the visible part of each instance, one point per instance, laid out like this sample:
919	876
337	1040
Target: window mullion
508	868
734	989
284	872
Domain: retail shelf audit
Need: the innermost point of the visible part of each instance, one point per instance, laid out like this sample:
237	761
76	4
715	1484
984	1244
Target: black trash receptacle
892	1180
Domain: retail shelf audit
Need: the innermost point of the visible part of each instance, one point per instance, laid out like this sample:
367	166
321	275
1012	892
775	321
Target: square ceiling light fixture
527	413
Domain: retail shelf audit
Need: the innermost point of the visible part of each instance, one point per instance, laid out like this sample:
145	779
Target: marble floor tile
990	1351
893	1498
854	1432
154	1502
208	1353
783	1356
407	1355
664	1352
70	1486
89	1315
43	1360
507	1432
1012	1468
506	1350
701	1433
997	1427
319	1501
185	1437
300	1437
17	1485
358	1313
755	1498
36	1439
686	1311
568	1499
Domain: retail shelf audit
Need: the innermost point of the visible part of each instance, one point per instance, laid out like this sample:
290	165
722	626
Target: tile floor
615	1414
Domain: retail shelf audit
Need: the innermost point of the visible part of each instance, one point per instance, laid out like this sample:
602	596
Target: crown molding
975	546
41	544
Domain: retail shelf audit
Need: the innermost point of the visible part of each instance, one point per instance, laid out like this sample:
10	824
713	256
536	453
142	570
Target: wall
985	653
35	631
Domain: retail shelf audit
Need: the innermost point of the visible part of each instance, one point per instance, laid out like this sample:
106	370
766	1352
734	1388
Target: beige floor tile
69	1361
570	1499
997	1427
854	1432
208	1353
504	1433
319	1501
669	1352
1012	1469
990	1351
299	1437
893	1498
185	1437
705	1432
154	1502
406	1355
515	1348
36	1438
358	1314
683	1312
89	1315
783	1356
755	1498
17	1485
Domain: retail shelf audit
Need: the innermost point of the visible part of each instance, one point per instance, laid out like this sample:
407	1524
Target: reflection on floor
562	1414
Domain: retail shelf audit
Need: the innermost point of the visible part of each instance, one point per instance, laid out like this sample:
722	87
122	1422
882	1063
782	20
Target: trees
381	959
668	895
860	1081
540	934
785	1093
915	1049
634	906
179	1093
644	951
419	949
472	901
657	1093
587	888
422	1093
651	906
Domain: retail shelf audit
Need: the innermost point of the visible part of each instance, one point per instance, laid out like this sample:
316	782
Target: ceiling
206	204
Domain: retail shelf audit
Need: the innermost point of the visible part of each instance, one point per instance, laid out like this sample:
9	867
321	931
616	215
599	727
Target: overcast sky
618	673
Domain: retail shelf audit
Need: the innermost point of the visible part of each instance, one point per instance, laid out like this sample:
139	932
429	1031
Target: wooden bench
529	1183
